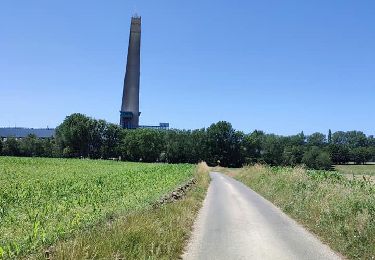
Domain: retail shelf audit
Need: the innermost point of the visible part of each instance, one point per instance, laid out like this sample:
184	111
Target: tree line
79	136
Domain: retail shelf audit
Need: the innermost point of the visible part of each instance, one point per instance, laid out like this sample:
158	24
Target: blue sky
279	66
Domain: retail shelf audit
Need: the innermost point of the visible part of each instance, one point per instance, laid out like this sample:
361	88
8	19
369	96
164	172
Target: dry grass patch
357	172
232	172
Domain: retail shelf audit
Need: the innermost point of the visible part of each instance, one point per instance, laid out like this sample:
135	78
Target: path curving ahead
237	223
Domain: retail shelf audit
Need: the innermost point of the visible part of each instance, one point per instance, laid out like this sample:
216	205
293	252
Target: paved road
237	223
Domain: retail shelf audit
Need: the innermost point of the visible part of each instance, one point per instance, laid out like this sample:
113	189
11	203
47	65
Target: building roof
20	132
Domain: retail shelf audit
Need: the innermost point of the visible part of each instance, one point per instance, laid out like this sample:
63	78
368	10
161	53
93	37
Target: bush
317	158
323	161
11	147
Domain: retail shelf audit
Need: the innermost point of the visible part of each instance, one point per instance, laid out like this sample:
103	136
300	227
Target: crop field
42	200
339	210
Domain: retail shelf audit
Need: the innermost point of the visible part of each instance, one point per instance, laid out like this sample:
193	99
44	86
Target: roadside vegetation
43	199
158	232
340	211
79	136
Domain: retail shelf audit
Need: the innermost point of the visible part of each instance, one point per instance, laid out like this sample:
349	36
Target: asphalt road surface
237	223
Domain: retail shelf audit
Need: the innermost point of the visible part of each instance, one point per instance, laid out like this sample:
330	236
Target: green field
339	210
368	169
42	200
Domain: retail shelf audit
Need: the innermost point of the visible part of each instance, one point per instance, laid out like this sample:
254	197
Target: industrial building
129	113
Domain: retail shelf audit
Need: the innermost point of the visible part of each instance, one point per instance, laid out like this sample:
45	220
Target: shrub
317	158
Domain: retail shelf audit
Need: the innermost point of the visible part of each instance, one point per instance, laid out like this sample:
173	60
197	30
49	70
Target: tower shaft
129	114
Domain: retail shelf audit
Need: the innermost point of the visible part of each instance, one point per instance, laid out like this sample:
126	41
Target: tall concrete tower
129	114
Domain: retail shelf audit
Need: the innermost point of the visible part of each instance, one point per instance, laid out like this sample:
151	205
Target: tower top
135	26
136	16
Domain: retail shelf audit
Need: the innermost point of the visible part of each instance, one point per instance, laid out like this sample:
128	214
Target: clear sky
279	66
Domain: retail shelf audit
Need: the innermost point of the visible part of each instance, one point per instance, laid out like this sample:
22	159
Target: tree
329	136
316	158
371	141
96	137
360	155
31	146
295	140
356	139
339	153
224	145
339	138
293	155
371	151
253	144
323	161
352	139
198	145
50	148
111	141
11	147
178	146
1	146
144	145
272	149
316	139
73	135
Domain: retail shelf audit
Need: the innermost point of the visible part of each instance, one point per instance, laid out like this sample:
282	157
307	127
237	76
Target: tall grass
340	211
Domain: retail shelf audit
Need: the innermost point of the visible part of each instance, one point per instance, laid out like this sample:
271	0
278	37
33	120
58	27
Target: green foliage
329	136
371	151
178	146
272	149
11	147
142	145
82	136
360	155
75	134
316	139
253	146
339	153
31	146
42	200
356	139
323	161
152	233
224	145
293	155
198	148
351	138
111	140
316	158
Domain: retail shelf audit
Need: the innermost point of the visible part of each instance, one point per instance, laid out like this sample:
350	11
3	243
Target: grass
340	211
44	200
352	169
152	233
